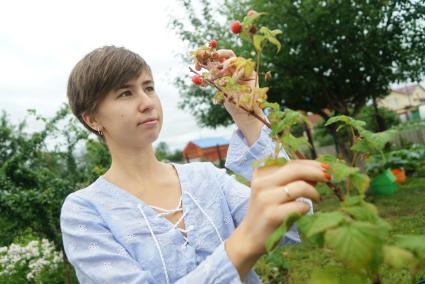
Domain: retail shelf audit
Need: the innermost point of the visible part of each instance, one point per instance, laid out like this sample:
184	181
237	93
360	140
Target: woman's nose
145	101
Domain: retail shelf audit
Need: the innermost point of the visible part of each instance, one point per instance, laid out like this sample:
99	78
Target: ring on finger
288	195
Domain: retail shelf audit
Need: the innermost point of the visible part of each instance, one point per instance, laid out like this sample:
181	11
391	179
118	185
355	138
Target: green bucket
384	184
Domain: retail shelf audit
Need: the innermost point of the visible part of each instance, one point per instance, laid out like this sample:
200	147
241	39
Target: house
405	101
213	149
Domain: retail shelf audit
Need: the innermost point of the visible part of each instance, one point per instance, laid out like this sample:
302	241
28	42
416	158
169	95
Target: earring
100	132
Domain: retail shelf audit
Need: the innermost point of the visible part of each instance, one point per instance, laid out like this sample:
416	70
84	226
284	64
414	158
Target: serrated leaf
398	257
275	42
349	121
355	244
339	170
377	141
281	231
269	161
360	182
273	106
326	159
360	214
361	146
249	20
353	201
304	225
249	68
413	243
261	93
325	221
219	98
292	143
258	40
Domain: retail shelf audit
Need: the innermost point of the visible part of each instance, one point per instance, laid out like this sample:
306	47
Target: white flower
36	256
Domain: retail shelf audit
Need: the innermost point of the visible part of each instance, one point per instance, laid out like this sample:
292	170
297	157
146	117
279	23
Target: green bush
411	159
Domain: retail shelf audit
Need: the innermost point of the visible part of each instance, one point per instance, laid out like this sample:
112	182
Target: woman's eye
125	93
150	89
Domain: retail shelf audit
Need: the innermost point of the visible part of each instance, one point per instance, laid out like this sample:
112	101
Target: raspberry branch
230	99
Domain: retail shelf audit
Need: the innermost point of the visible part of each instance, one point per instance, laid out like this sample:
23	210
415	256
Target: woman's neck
135	166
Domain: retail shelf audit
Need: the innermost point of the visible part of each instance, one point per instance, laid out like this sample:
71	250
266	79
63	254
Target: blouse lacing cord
166	212
171	211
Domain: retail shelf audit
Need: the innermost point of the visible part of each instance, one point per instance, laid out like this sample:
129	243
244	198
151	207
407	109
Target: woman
145	221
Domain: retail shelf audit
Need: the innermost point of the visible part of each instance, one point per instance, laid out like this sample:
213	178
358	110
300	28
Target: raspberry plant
359	239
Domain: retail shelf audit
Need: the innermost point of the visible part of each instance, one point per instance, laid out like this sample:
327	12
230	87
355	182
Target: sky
41	41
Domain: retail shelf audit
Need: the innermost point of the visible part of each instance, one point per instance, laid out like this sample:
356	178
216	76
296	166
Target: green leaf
338	168
249	68
361	146
275	42
273	106
285	120
355	244
360	182
361	214
271	36
325	221
258	40
269	161
219	98
413	243
274	238
249	20
398	257
304	225
348	121
336	275
377	141
292	143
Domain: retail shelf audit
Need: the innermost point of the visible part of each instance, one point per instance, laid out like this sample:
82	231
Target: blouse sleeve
239	159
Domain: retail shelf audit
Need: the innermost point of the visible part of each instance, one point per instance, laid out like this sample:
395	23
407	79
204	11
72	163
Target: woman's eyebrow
128	85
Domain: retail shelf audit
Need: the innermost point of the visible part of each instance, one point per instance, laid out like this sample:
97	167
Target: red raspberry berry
197	80
236	27
213	43
251	13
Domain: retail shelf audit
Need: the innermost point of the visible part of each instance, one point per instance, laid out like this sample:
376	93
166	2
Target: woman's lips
149	122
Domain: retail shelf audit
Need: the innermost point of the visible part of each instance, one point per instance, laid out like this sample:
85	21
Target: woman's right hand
270	205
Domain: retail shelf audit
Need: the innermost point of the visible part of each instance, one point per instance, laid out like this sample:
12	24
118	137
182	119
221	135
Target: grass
404	211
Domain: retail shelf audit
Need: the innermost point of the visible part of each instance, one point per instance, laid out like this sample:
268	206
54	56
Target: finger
290	192
292	172
224	54
264	170
317	164
279	213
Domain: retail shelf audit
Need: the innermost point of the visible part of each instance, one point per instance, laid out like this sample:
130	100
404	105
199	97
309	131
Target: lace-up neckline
166	212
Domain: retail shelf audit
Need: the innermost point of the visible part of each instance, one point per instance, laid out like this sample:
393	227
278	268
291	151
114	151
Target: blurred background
364	59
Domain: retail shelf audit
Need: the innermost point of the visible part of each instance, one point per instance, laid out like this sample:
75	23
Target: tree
34	181
163	152
389	118
336	55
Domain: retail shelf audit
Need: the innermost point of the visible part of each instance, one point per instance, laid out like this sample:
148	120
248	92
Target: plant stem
230	99
337	191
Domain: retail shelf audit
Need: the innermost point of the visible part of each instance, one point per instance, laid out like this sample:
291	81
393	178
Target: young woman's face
131	115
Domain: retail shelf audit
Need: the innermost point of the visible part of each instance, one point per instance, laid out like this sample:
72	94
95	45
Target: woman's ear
91	121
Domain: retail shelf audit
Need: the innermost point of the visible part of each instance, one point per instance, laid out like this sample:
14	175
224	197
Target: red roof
407	90
314	118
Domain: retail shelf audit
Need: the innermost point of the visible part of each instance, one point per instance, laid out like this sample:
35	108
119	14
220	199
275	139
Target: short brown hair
99	72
